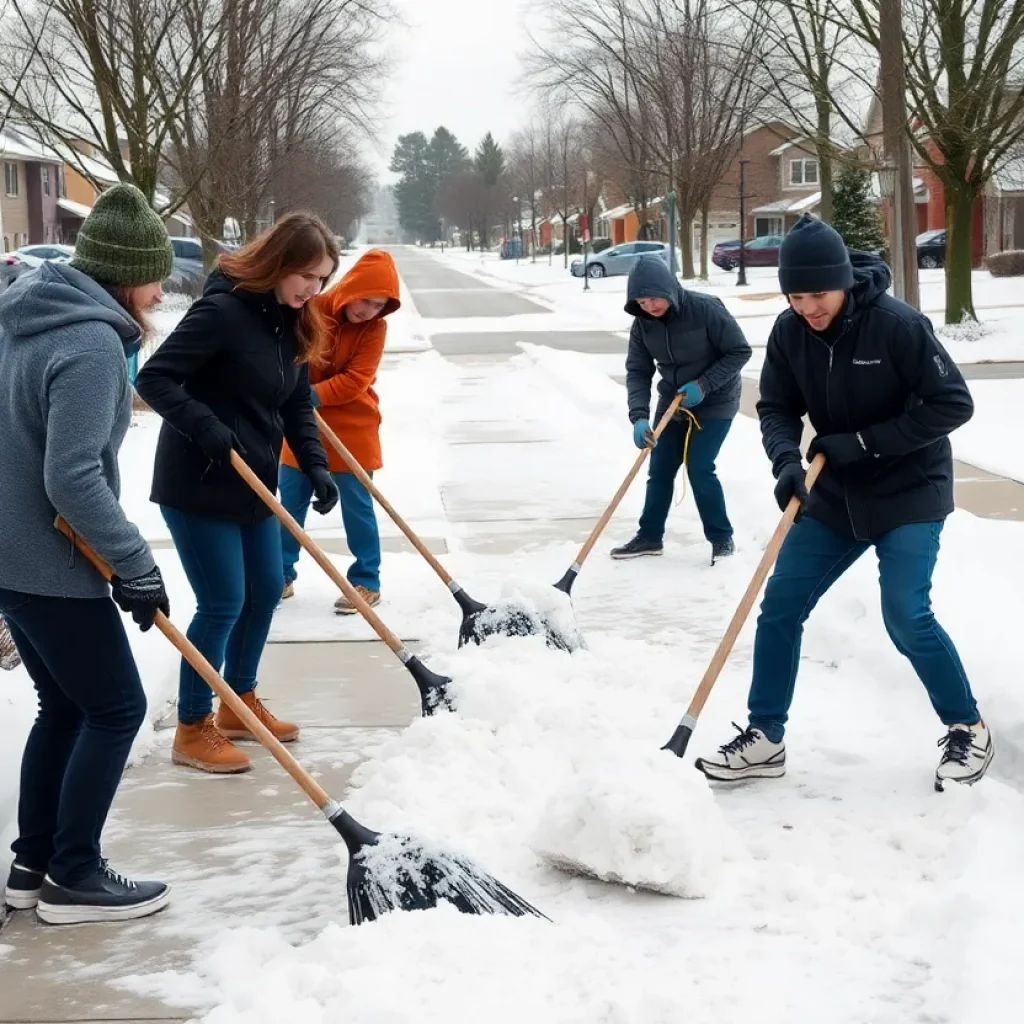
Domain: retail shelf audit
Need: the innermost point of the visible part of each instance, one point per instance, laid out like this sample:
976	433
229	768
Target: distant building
380	226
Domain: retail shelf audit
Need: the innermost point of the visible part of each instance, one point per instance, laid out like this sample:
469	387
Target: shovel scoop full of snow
524	609
637	819
394	872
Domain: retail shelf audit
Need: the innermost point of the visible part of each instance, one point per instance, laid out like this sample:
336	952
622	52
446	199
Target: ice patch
641	818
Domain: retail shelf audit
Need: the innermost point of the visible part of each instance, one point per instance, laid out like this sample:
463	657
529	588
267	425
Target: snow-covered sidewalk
841	890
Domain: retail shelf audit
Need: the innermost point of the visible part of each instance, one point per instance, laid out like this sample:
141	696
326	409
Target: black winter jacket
885	376
232	359
696	340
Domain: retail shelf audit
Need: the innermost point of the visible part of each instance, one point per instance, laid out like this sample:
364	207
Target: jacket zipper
828	405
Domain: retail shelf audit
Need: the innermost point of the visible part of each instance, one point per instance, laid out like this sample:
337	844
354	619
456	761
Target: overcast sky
456	64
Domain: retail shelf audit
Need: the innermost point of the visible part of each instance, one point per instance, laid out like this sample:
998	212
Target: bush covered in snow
1006	264
968	329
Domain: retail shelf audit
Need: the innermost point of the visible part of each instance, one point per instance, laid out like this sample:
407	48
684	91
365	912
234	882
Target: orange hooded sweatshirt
344	383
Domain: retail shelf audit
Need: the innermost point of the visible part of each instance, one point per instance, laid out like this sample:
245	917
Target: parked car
188	276
931	249
36	255
758	252
617	260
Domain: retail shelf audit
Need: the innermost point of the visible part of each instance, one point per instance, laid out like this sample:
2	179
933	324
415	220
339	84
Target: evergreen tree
490	161
414	191
855	213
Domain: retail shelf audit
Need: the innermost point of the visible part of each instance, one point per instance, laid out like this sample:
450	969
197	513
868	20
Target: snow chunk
968	330
640	818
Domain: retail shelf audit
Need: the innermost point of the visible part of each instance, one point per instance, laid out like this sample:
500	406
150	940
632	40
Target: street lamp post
741	278
671	200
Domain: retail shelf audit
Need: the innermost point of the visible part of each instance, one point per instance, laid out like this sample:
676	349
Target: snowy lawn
991	440
846	892
999	302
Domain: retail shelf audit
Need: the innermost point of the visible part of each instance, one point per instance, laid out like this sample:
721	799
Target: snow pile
968	330
639	817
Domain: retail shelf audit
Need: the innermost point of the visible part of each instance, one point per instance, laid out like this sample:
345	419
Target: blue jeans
813	557
235	573
91	705
357	516
665	461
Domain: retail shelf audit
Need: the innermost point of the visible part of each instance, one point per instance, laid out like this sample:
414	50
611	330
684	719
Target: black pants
91	705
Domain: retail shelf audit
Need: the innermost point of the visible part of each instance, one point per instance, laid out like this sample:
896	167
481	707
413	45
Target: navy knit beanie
814	258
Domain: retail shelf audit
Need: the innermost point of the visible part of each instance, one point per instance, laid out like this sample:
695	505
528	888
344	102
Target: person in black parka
234	375
883	396
698	350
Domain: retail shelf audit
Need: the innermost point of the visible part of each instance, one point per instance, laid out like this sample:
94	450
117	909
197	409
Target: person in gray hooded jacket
699	351
65	405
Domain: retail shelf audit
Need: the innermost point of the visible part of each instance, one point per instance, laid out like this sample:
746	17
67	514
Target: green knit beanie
123	241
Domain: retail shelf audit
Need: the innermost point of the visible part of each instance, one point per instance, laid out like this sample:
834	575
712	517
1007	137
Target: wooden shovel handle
625	485
195	658
317	552
364	478
771	552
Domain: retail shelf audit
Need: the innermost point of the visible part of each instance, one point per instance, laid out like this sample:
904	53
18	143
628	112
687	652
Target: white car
35	255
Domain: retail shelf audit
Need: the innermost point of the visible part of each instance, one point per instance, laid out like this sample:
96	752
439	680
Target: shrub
600	244
1006	264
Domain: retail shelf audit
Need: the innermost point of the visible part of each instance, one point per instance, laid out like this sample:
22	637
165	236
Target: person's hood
871	278
650	278
373	276
56	295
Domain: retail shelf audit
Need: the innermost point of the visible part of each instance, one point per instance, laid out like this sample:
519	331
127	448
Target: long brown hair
295	243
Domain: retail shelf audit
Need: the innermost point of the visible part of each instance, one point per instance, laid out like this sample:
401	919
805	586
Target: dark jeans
235	572
357	516
813	557
666	459
91	704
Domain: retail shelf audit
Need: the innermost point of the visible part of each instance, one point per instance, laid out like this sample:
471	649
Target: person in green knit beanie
65	407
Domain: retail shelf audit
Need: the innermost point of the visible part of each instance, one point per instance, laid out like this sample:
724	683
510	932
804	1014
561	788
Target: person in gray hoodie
66	332
698	350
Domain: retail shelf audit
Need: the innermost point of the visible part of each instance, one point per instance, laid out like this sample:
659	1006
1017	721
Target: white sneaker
967	751
750	755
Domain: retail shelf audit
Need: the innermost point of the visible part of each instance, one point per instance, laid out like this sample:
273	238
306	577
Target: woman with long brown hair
234	376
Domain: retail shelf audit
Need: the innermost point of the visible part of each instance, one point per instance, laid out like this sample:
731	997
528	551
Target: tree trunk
959	221
704	242
685	218
533	234
824	150
565	241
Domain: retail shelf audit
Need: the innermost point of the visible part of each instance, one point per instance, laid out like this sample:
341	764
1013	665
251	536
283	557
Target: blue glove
693	394
314	397
642	434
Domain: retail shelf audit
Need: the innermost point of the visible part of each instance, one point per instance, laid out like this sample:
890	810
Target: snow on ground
989	441
999	303
848	891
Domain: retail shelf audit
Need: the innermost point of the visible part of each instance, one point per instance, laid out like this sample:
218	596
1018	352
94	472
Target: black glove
217	441
325	490
790	483
839	449
142	597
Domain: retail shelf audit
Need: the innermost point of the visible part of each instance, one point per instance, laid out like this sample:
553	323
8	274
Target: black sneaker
23	885
104	896
722	549
637	548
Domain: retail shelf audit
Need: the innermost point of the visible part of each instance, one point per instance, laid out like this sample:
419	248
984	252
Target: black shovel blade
476	628
566	582
680	739
411	878
433	688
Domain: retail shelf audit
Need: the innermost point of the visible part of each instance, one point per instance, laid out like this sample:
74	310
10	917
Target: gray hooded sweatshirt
65	406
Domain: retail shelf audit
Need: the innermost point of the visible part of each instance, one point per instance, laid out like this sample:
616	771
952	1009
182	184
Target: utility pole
671	200
741	278
899	162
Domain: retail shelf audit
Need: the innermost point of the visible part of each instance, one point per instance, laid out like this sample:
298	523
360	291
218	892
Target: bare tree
561	158
965	84
461	198
809	53
98	72
526	173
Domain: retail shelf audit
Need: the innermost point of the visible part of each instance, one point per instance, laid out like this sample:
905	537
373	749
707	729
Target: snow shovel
566	582
385	872
478	620
433	687
684	730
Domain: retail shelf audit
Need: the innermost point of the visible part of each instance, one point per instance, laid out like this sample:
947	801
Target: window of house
62	184
11	179
803	171
7	244
46	180
767	226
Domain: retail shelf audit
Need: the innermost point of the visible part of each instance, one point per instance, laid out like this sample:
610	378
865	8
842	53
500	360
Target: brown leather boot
233	728
201	745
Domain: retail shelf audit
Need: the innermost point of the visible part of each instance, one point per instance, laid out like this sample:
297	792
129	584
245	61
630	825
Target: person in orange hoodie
343	392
